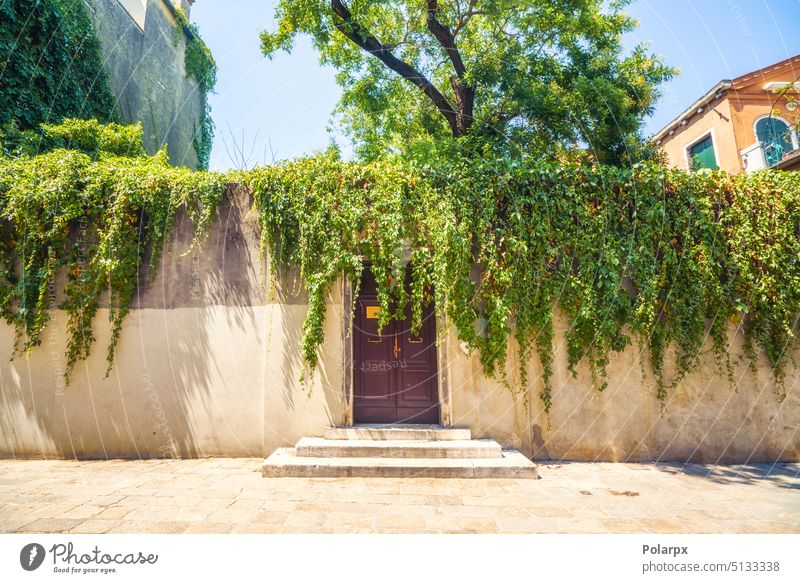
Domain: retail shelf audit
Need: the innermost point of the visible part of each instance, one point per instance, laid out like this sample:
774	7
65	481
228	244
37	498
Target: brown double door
394	371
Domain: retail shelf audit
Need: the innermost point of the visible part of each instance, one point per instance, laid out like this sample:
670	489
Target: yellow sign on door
373	311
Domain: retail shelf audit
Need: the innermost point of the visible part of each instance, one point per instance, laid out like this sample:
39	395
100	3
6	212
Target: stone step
285	463
397	448
392	432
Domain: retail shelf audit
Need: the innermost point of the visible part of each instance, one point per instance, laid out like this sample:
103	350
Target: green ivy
87	136
200	65
50	64
94	218
645	255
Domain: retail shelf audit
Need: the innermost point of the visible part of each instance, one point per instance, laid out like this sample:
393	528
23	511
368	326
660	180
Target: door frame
348	366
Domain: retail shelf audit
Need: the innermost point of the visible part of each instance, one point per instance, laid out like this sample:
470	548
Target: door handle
396	347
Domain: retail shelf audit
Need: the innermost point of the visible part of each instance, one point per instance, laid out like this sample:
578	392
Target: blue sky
271	110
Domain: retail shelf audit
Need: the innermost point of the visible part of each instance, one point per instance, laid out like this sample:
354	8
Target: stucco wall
704	418
715	118
208	364
146	74
748	107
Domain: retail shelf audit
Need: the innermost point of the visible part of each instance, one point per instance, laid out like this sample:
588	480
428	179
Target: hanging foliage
644	255
200	65
647	253
93	217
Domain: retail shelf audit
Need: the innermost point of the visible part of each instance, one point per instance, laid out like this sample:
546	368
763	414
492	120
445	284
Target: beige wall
704	418
208	365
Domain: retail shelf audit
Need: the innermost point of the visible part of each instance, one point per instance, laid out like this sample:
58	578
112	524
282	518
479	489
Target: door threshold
398	425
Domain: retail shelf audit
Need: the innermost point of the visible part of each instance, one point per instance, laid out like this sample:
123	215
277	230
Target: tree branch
445	38
464	17
464	92
367	42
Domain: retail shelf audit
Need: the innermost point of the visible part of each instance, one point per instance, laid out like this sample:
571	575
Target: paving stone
12	524
348	521
226	515
208	528
51	525
113	512
278	506
83	511
256	528
274	517
67	496
96	526
148	526
246	505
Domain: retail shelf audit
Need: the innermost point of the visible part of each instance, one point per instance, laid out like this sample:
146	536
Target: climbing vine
50	64
647	253
92	215
199	64
644	255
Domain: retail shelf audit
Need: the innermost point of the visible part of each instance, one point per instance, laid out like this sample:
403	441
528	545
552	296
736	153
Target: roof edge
754	75
709	96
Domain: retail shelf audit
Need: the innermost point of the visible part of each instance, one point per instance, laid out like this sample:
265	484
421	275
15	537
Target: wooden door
395	377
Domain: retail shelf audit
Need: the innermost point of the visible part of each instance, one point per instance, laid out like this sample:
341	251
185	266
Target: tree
532	75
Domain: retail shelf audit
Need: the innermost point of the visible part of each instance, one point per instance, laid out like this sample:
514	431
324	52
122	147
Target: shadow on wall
191	369
705	419
298	402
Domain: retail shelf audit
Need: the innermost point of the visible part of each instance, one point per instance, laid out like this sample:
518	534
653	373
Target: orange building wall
716	117
747	107
732	118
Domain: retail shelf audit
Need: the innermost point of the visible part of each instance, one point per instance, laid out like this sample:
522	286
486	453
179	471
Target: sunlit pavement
229	495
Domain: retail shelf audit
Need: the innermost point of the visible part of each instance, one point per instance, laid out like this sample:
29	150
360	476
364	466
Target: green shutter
701	155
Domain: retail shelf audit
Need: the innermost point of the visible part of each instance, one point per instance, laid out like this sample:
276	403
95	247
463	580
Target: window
701	155
775	138
136	9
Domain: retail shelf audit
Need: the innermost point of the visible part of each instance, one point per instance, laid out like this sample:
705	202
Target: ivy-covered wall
209	363
88	59
160	77
605	312
51	64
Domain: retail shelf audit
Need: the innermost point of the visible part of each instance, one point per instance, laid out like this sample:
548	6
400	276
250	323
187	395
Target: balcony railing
761	155
773	153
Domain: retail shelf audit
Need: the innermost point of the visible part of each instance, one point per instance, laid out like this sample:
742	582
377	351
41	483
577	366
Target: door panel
414	388
395	373
375	386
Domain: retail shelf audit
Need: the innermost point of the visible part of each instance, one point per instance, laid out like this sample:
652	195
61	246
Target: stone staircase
397	451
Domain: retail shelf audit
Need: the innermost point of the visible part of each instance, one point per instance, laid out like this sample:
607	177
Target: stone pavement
229	495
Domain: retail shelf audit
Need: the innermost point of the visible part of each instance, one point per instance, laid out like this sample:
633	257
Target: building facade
143	45
740	125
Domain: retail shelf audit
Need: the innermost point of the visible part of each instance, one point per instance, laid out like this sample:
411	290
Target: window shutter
701	155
